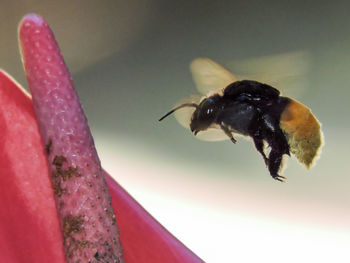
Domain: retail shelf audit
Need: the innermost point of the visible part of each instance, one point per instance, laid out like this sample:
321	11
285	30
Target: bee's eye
207	108
207	104
209	111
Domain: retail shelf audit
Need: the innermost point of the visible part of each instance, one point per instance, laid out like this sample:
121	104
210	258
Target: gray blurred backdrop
130	64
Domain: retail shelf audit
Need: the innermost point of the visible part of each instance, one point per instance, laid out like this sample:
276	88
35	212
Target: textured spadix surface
28	218
84	206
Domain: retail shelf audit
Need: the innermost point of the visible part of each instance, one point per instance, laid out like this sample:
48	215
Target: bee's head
205	114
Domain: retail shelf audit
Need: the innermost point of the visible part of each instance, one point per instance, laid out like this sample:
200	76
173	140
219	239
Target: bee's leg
227	132
259	145
274	136
275	160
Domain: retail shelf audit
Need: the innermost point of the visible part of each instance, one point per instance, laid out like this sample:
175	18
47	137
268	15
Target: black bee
256	110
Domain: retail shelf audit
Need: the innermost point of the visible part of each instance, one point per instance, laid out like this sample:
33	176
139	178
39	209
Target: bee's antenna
179	107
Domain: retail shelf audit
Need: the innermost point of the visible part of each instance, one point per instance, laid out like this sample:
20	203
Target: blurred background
130	63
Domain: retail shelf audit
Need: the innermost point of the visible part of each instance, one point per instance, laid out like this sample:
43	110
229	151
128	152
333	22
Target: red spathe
28	219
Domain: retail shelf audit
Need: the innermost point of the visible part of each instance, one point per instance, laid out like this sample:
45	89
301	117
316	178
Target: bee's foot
279	178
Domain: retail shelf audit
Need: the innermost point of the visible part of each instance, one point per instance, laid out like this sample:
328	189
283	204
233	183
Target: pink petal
28	218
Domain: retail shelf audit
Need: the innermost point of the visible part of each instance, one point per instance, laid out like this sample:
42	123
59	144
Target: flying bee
253	109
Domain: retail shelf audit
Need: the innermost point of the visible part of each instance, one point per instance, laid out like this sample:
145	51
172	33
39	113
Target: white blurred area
231	219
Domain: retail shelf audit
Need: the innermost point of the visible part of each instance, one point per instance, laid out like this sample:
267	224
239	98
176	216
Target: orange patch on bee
303	132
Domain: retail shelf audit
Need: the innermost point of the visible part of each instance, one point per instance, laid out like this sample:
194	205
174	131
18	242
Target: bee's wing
212	135
209	76
287	72
183	116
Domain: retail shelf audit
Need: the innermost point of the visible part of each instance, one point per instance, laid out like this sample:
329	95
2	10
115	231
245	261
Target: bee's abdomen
303	132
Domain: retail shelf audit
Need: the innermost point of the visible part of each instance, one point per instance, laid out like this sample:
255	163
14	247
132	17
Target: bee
255	110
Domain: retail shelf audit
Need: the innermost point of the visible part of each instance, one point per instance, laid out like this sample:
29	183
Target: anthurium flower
56	202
